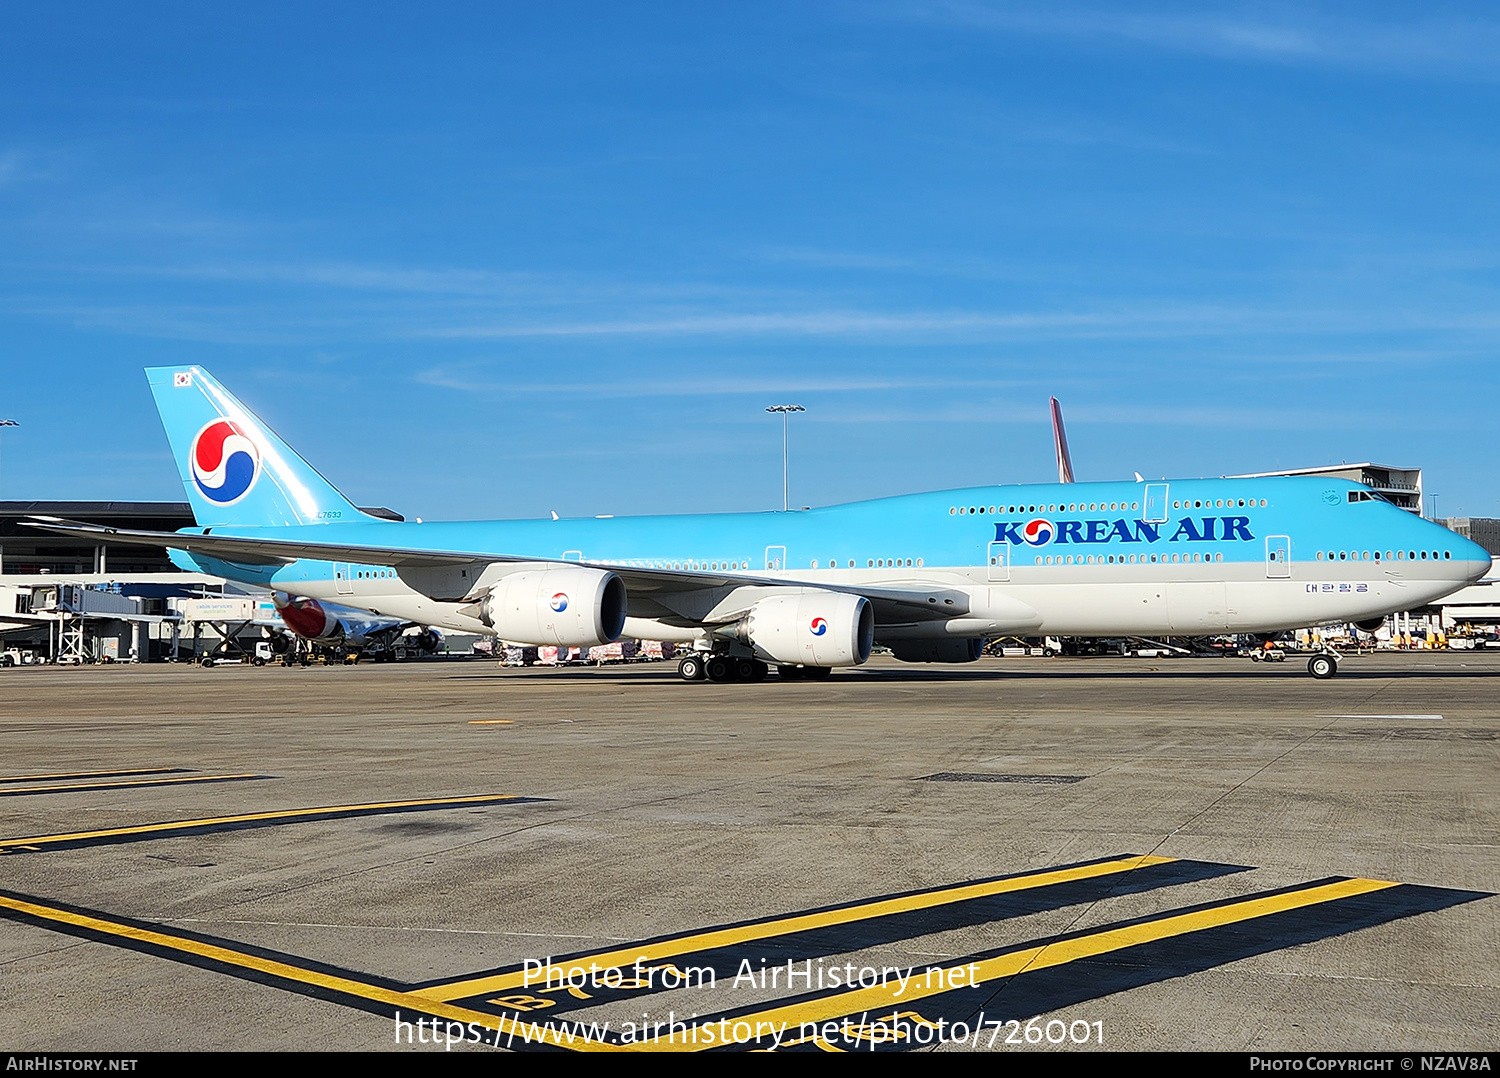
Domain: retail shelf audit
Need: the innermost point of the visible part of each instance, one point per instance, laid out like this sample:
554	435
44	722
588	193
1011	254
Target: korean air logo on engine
819	626
225	462
559	602
1038	532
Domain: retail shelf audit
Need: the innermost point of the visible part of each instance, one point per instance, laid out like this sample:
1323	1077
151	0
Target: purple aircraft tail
1060	439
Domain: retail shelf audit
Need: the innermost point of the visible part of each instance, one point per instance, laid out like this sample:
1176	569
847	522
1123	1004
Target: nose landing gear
1323	666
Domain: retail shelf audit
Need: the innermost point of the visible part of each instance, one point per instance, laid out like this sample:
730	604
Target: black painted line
98	774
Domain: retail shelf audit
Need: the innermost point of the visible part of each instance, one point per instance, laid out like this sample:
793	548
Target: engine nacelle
811	628
309	619
1370	625
936	651
568	607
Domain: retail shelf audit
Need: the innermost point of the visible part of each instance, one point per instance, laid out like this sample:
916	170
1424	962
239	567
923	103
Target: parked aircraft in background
334	625
930	576
1060	443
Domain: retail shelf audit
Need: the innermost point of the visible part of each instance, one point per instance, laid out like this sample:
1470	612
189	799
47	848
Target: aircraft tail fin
234	467
1060	440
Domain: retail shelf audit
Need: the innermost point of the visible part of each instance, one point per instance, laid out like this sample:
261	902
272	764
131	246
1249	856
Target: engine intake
811	628
579	608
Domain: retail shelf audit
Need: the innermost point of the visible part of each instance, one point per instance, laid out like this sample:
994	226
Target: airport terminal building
73	600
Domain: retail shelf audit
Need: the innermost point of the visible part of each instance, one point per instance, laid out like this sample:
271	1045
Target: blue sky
496	260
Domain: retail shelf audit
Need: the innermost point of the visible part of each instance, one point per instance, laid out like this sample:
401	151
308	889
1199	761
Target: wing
682	596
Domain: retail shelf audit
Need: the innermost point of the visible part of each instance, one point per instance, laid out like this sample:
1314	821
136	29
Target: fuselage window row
1100	507
1123	559
876	563
1399	555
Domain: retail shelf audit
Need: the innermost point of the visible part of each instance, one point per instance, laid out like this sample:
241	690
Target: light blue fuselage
1308	554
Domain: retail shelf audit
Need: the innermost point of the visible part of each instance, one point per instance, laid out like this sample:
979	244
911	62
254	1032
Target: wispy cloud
1190	417
1139	321
470	380
841	323
1298	34
811	256
294	321
497	288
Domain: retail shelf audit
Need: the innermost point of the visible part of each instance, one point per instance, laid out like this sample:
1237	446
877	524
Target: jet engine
569	607
428	640
936	651
811	628
1370	625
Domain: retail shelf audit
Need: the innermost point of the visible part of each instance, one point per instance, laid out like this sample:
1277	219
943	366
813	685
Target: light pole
785	410
8	423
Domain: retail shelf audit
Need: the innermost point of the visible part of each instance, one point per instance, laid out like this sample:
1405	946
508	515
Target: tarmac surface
1140	854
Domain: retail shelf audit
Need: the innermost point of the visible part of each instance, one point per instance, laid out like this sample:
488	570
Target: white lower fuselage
1065	600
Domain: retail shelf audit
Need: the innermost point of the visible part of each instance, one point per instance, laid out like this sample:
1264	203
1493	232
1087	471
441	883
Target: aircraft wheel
789	673
817	673
1322	666
719	668
750	670
691	668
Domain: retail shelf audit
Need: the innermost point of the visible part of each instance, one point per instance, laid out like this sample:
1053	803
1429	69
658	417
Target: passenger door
1278	556
999	561
1156	503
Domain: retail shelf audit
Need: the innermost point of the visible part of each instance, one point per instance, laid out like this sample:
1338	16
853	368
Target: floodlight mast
8	423
785	410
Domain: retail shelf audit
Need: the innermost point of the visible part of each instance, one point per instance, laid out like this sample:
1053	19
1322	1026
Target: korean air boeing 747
930	576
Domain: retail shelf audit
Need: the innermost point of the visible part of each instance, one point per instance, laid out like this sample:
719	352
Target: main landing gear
723	668
1323	666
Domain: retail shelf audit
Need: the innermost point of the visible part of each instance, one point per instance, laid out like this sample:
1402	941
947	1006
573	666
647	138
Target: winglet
1060	440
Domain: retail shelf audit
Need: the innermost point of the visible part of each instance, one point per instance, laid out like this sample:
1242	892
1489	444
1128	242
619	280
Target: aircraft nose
1477	561
1470	560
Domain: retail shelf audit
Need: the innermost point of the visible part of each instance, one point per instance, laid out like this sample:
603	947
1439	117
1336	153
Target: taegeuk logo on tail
226	462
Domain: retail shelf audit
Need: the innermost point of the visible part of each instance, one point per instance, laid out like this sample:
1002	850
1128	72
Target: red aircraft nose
305	617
